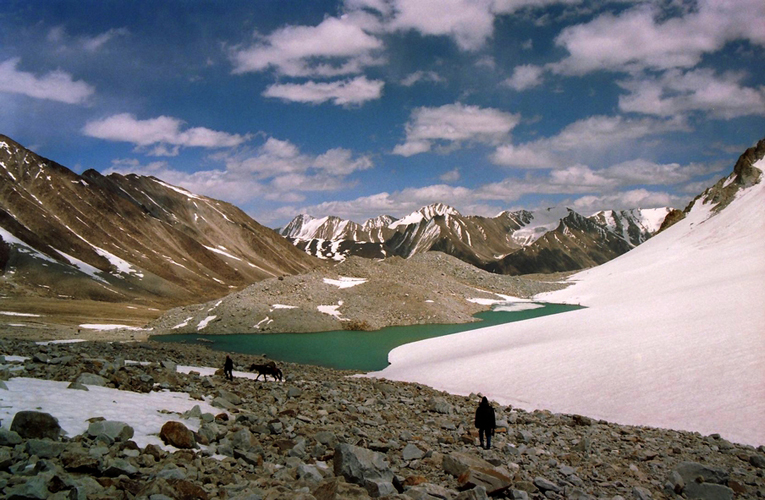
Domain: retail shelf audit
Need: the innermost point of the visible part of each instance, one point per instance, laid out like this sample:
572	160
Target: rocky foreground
326	434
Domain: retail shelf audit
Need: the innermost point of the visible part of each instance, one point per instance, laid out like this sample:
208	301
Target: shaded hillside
117	238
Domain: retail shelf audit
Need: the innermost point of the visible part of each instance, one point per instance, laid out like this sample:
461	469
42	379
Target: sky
358	108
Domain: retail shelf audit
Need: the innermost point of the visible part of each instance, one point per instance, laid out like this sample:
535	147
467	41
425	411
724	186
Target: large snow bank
673	335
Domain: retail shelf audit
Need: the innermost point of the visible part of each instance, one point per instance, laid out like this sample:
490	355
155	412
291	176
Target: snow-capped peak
426	213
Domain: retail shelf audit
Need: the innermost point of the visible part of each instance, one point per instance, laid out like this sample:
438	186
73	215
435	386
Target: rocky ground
326	434
429	288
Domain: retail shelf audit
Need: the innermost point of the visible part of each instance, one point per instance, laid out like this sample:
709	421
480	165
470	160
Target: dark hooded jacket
484	416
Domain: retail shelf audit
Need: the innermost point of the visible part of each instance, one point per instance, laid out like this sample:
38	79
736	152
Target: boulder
35	425
490	480
112	430
457	463
707	491
365	467
477	493
337	489
545	484
91	379
692	472
44	448
412	452
9	438
176	434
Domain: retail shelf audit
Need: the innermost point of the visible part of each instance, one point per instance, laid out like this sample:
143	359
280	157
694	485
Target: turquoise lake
350	350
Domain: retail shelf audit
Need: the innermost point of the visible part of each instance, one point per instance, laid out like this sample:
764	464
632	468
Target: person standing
228	368
485	421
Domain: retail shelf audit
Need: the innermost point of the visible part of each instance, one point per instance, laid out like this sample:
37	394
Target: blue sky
358	108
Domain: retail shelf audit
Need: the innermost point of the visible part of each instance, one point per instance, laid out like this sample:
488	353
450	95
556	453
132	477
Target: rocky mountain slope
322	435
125	238
518	242
359	294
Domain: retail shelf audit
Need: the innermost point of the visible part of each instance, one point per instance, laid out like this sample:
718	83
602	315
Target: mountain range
518	242
125	238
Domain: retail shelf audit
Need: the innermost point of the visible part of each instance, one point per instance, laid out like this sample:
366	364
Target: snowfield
673	335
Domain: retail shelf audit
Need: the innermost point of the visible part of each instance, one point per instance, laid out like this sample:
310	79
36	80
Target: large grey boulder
457	463
693	472
90	379
36	425
707	491
364	467
491	480
111	430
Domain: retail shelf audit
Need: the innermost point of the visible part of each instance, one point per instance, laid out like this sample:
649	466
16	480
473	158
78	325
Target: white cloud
451	176
641	171
454	124
468	22
641	38
636	198
55	86
337	46
290	169
95	43
340	161
421	77
525	77
342	93
583	138
277	170
162	131
677	92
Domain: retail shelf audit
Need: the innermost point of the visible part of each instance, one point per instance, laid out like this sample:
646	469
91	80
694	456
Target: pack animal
267	369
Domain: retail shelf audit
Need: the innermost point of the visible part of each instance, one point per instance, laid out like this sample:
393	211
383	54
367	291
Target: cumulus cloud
343	93
525	156
277	170
451	176
279	158
421	77
454	124
586	137
92	44
636	198
162	131
56	85
470	23
645	37
337	46
525	77
676	92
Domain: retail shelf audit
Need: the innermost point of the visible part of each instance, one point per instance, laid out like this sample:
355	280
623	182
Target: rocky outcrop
322	434
723	192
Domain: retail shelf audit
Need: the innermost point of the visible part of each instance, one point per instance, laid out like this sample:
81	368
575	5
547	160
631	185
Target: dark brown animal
269	368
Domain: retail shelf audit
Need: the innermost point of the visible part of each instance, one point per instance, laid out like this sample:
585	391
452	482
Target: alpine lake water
355	350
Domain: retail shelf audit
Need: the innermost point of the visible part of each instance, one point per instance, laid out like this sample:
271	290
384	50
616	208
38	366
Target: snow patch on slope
671	336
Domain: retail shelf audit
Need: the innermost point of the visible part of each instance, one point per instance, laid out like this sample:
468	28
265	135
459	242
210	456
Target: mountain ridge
125	237
482	241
